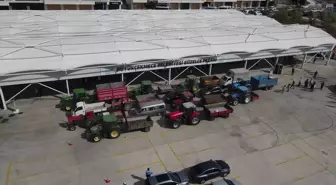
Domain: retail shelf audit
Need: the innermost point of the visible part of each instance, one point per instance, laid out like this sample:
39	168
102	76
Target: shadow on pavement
140	180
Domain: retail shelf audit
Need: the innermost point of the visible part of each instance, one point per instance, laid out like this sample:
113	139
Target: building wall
69	7
53	7
138	6
174	6
195	5
85	7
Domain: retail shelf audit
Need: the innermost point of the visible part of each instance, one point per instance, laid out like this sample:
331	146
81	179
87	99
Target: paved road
282	139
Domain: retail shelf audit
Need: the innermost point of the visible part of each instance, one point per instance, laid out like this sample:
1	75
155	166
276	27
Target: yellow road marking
136	167
189	153
157	154
309	175
236	178
9	168
292	159
172	149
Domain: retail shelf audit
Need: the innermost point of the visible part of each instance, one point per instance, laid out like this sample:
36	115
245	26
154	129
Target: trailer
212	98
191	114
112	126
115	93
265	81
145	97
209	81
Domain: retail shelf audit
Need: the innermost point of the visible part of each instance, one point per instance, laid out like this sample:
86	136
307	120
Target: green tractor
145	87
189	84
69	102
112	126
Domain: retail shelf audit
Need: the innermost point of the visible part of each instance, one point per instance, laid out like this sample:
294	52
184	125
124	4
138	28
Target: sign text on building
168	63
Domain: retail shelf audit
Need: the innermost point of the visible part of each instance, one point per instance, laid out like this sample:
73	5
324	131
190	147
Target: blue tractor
241	94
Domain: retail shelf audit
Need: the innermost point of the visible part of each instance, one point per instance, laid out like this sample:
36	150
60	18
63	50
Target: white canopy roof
63	40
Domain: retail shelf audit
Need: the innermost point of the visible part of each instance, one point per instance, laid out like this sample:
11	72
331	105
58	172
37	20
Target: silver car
226	182
151	108
170	178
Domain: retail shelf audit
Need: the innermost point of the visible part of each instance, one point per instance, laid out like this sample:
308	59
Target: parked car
208	170
226	182
152	108
170	178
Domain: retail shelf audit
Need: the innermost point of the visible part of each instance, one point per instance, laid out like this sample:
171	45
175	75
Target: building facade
119	4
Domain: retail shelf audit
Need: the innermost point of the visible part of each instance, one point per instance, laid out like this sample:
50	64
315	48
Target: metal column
169	76
245	64
304	60
122	77
67	86
331	52
276	61
3	99
210	69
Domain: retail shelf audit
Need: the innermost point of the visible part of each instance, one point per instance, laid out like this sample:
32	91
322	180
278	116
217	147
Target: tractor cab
191	83
146	87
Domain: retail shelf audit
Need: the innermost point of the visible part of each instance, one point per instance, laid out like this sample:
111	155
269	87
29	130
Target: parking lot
281	139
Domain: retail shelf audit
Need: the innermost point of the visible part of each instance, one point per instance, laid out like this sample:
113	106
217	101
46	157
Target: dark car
208	170
226	182
170	178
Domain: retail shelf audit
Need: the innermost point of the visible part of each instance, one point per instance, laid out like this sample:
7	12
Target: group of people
308	83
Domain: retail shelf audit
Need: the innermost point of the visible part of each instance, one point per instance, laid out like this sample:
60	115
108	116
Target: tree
302	2
296	16
282	16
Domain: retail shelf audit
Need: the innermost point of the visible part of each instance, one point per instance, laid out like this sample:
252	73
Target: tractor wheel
235	102
146	129
176	124
247	99
96	138
195	120
114	134
269	88
71	127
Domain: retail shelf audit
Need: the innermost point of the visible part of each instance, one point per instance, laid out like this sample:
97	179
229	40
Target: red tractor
189	113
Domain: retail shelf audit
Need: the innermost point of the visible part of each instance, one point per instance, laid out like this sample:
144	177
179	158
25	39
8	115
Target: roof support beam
210	69
159	76
331	53
52	88
10	99
3	99
200	71
135	78
67	86
181	73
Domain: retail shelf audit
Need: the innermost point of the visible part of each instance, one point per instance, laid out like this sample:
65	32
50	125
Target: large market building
62	50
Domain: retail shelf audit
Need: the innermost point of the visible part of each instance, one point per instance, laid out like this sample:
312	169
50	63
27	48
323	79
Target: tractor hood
174	115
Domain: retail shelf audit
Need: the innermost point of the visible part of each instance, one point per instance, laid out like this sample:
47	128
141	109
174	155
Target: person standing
306	83
283	89
288	86
322	85
293	71
148	173
293	84
315	74
300	81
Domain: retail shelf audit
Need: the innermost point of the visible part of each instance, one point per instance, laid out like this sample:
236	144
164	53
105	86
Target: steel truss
4	102
168	81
